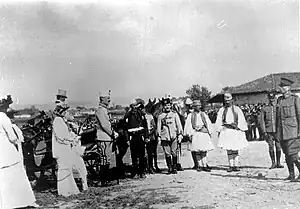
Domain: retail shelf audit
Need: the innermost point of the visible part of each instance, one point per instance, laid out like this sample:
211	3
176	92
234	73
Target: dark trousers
272	140
151	148
137	149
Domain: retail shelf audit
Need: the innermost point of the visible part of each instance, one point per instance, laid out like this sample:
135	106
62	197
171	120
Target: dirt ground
255	186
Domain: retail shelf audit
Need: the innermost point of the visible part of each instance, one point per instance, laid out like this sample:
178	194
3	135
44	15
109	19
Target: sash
204	129
235	116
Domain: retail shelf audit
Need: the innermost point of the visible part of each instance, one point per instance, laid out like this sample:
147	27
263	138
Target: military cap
285	82
166	101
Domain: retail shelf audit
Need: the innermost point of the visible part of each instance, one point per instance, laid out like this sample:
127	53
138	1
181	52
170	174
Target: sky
141	48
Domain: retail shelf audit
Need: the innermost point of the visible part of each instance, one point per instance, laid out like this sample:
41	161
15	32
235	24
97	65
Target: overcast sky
142	48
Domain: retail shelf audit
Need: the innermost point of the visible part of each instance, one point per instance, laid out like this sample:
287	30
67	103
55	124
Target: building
254	92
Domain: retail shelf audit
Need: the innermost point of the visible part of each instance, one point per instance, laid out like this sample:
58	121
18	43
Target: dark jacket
267	119
288	117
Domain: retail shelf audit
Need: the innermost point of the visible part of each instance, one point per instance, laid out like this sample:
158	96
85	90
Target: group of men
280	124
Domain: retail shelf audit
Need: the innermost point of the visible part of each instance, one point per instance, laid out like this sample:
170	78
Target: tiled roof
266	83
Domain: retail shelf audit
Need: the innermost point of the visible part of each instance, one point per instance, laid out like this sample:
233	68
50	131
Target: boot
174	165
196	164
169	164
297	163
207	168
278	156
104	170
290	165
157	170
150	164
272	156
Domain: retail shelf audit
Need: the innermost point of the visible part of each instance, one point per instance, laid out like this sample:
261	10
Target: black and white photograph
149	104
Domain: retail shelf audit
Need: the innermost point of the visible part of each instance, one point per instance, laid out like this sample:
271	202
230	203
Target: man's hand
159	140
180	137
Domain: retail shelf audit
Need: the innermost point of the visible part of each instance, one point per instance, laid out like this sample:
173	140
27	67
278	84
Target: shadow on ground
247	177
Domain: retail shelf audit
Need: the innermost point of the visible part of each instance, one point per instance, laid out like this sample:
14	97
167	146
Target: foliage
197	92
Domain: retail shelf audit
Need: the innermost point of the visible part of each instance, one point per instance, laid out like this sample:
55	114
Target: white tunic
230	139
200	141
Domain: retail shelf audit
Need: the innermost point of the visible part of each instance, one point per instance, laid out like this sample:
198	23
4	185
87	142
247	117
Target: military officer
137	129
268	127
288	126
170	132
105	134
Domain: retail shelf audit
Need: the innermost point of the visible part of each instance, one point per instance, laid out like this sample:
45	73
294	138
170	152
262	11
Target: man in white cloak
231	126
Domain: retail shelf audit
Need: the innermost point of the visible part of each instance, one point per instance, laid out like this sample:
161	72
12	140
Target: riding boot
157	170
272	156
290	165
150	164
297	163
169	164
174	165
104	174
278	156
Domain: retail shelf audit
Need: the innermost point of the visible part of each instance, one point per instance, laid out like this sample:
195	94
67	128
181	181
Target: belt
135	130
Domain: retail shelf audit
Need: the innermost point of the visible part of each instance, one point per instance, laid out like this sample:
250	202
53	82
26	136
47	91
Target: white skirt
230	139
201	142
15	188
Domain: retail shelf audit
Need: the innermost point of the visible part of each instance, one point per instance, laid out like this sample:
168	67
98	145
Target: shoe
279	166
290	178
230	169
195	167
151	171
296	179
206	169
174	171
273	166
179	167
199	169
157	170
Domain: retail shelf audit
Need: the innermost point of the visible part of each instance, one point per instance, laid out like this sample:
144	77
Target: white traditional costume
62	152
199	129
231	126
200	140
231	139
15	188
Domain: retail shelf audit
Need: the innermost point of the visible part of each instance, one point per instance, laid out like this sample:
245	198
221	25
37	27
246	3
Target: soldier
105	134
288	126
231	126
268	128
170	132
151	145
138	134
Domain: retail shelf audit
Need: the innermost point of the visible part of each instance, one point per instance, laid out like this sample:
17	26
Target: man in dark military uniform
288	126
137	128
268	128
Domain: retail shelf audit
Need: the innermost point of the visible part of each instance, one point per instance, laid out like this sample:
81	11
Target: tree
197	92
